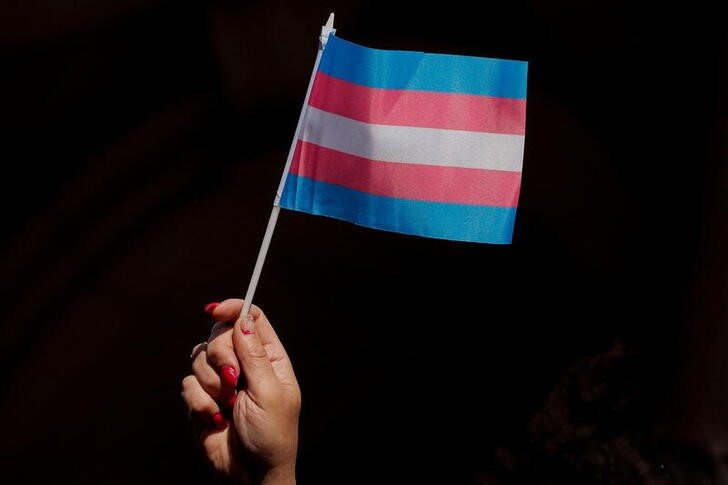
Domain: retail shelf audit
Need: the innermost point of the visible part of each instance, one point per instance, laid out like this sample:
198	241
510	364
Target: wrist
280	475
284	474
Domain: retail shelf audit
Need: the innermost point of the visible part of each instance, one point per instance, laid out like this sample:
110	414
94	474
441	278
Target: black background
144	143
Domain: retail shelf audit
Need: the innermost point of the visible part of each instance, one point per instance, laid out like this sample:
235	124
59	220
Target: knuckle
232	304
193	395
198	366
295	401
207	379
198	406
257	352
188	383
294	395
216	354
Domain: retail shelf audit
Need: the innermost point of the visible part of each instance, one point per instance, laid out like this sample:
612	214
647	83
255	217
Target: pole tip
326	30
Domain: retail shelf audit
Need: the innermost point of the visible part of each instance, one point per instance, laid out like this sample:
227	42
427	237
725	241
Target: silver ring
201	347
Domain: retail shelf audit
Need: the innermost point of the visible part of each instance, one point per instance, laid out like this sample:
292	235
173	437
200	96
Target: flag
412	142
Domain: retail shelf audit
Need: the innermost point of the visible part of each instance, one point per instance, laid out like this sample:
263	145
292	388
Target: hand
250	435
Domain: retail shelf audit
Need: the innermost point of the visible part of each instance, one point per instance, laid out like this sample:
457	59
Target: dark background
143	144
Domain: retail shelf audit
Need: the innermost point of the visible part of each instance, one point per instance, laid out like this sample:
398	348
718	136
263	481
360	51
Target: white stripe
408	144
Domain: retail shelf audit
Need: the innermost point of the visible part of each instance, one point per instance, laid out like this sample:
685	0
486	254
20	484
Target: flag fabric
412	142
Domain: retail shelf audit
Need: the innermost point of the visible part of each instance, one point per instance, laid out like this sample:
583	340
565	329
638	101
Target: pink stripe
405	180
419	108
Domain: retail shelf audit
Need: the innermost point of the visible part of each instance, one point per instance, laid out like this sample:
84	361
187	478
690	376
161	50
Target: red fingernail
229	376
211	306
219	420
231	401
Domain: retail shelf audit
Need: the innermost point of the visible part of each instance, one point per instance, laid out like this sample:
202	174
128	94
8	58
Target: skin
256	443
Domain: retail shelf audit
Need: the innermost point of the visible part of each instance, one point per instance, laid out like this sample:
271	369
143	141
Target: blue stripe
440	220
442	73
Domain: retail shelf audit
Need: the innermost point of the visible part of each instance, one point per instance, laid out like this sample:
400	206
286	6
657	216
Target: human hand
250	435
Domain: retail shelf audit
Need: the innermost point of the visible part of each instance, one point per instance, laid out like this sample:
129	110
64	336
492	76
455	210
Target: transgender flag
415	143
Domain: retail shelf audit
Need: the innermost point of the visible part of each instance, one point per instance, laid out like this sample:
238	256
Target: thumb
255	364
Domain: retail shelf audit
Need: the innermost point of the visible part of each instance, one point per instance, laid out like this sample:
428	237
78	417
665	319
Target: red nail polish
211	306
229	376
231	401
219	420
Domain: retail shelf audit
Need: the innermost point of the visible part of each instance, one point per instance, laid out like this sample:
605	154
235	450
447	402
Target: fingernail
248	325
219	420
229	376
231	401
211	306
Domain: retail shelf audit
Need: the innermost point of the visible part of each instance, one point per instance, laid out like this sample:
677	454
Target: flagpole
326	29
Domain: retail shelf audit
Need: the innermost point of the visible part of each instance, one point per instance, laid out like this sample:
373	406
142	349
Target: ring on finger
197	349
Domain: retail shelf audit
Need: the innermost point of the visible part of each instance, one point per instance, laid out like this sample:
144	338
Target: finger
262	382
201	405
221	356
209	378
220	353
208	423
229	310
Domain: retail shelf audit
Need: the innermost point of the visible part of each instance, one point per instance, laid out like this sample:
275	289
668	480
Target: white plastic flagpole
327	29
